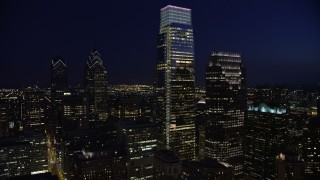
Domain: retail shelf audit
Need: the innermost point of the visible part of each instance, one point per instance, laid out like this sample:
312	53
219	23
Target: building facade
140	141
265	139
174	82
25	155
226	106
96	86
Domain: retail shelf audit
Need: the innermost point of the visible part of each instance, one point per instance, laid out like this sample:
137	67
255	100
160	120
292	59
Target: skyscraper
96	86
59	85
59	78
174	82
226	103
265	138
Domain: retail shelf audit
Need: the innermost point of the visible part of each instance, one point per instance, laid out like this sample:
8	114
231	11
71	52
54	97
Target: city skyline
278	40
168	128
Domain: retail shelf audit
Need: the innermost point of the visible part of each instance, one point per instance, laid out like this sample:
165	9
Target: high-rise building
265	138
175	83
75	110
59	76
35	109
96	86
200	123
311	146
226	103
10	115
140	140
24	155
54	126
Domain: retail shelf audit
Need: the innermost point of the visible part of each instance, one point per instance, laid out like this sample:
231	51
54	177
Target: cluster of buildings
170	130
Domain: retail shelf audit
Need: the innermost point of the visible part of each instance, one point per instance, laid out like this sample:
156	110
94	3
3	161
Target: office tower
10	114
290	166
226	103
24	155
75	110
174	82
54	127
311	146
35	109
96	86
265	138
59	76
167	165
140	140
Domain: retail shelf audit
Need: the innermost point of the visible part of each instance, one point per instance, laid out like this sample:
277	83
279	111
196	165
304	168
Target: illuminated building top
267	109
173	14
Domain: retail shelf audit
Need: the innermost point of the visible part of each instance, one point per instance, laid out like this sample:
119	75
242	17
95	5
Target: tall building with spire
59	77
96	86
59	85
174	83
226	106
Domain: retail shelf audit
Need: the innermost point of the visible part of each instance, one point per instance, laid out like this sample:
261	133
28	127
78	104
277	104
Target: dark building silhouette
226	106
206	169
54	127
265	139
75	110
311	146
290	166
200	122
167	165
96	86
10	115
59	74
174	82
109	163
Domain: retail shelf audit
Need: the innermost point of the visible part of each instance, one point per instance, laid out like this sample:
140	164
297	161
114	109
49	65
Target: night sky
279	39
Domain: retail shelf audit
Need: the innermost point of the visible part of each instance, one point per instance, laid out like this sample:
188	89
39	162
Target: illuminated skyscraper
174	82
226	103
96	85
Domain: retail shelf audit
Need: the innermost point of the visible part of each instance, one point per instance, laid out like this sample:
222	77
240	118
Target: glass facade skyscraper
59	78
96	86
226	106
174	82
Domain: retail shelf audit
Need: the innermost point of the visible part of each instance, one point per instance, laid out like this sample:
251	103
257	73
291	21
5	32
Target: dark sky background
279	39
